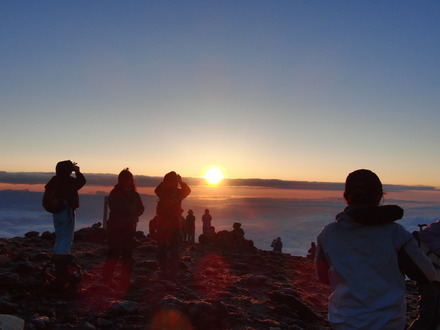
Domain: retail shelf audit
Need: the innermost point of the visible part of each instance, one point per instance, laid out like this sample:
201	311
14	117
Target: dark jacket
170	199
66	189
125	205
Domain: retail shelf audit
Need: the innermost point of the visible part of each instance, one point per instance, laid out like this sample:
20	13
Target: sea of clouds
296	221
293	210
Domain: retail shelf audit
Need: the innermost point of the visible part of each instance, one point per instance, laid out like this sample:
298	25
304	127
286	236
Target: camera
75	167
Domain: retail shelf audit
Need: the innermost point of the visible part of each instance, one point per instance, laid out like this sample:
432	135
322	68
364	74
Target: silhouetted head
64	168
126	180
190	212
206	210
170	177
236	225
363	187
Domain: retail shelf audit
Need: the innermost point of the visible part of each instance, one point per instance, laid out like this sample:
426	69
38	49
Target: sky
290	90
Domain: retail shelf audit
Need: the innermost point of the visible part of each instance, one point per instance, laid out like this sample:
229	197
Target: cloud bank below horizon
109	180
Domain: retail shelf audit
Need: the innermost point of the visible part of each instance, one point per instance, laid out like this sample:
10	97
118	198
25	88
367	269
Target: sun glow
213	175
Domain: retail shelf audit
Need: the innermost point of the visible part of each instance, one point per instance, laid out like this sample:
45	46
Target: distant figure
61	199
169	210
237	235
362	256
237	231
429	293
126	207
190	223
277	245
206	219
312	251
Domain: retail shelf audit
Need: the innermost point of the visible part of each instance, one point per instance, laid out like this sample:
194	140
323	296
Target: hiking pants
168	254
64	223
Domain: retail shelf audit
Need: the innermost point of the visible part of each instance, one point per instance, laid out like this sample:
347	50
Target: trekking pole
104	219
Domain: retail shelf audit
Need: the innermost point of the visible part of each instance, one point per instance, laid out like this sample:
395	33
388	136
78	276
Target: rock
41	322
25	267
11	322
125	307
4	260
147	264
103	323
32	234
8	281
7	307
87	326
48	236
96	225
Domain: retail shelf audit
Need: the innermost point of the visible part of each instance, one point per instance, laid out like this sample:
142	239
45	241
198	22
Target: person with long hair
364	255
126	207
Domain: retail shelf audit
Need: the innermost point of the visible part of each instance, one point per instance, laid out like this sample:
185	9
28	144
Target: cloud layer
99	179
296	221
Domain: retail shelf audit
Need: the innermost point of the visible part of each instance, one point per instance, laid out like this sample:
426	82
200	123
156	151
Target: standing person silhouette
277	245
64	201
169	212
206	219
190	223
363	255
126	207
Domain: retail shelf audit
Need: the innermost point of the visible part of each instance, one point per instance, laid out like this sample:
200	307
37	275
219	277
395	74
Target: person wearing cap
190	226
171	192
126	207
364	255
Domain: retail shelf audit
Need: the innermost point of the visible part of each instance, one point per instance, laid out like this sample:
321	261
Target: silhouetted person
429	293
237	231
126	207
190	223
62	192
169	210
277	245
362	256
237	235
311	253
206	219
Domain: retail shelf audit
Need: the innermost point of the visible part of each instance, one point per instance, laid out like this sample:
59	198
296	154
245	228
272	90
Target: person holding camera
61	199
171	192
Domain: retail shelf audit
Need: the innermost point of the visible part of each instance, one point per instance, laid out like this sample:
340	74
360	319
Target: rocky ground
217	288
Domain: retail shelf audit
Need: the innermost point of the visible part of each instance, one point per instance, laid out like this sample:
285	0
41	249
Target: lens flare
170	319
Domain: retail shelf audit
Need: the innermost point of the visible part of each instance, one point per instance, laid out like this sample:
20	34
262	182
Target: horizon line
109	179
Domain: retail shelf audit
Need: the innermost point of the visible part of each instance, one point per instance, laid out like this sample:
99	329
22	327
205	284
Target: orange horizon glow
222	192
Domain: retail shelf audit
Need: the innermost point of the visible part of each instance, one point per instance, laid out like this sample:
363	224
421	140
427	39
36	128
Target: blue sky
293	90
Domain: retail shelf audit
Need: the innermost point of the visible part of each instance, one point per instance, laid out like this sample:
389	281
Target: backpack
51	202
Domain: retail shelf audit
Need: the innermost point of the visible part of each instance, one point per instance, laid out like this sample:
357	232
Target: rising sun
213	175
